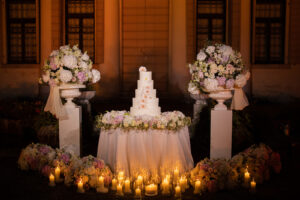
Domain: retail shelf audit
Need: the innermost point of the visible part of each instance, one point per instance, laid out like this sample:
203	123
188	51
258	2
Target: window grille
21	31
211	21
80	28
269	32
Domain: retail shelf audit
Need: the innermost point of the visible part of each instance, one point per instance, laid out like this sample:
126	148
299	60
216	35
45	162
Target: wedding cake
145	101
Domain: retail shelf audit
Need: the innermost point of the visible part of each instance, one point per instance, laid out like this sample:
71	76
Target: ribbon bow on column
239	100
54	104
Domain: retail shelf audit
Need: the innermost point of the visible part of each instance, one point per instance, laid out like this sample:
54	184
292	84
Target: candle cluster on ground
174	183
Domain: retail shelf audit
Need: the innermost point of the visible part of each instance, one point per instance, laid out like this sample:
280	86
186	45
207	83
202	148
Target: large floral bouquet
89	171
122	119
217	67
69	65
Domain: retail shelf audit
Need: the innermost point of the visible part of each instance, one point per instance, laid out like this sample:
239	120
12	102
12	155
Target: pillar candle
101	182
57	174
176	174
253	185
119	190
127	188
80	186
51	180
138	193
247	176
165	186
114	184
177	191
197	187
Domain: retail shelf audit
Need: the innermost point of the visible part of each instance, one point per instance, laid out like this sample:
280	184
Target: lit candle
176	174
253	185
57	174
247	176
138	193
121	176
120	190
80	186
165	187
177	191
114	184
51	180
183	183
127	188
168	177
139	181
151	190
101	182
197	187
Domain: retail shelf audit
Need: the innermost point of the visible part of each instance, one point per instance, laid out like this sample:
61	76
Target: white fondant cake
145	101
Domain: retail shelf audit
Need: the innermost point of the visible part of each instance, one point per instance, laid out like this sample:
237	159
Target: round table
156	152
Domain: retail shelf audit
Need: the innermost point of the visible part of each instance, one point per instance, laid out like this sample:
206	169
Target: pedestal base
70	130
221	134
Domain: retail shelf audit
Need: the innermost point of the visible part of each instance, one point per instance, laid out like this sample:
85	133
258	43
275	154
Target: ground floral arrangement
245	169
122	119
58	163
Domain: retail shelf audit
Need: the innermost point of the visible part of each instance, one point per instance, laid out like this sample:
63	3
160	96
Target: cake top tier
144	74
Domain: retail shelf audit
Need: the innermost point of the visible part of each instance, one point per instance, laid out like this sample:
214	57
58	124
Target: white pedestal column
221	134
70	129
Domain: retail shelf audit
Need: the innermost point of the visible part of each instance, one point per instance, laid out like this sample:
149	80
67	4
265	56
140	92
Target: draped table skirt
154	152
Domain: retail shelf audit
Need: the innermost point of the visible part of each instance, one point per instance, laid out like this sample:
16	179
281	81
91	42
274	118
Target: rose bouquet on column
218	68
67	65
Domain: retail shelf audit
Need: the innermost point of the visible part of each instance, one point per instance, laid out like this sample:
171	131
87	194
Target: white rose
226	50
210	49
201	55
213	68
210	84
65	48
69	61
83	65
193	89
96	76
85	57
65	75
46	77
240	81
142	69
54	53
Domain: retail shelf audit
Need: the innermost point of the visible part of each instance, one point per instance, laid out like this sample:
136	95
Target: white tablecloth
153	151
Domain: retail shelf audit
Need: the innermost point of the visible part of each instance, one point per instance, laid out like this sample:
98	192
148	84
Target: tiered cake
145	101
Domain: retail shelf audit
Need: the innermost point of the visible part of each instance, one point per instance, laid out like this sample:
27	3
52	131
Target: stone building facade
163	35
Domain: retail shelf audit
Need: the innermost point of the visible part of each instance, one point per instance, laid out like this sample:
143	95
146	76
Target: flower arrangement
69	65
217	67
89	171
43	158
122	119
219	173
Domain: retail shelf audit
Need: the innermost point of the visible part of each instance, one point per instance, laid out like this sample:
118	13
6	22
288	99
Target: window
211	21
80	27
269	33
21	31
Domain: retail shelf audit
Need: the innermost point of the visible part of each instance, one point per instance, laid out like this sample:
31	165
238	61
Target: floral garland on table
44	159
69	65
218	174
217	66
122	119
